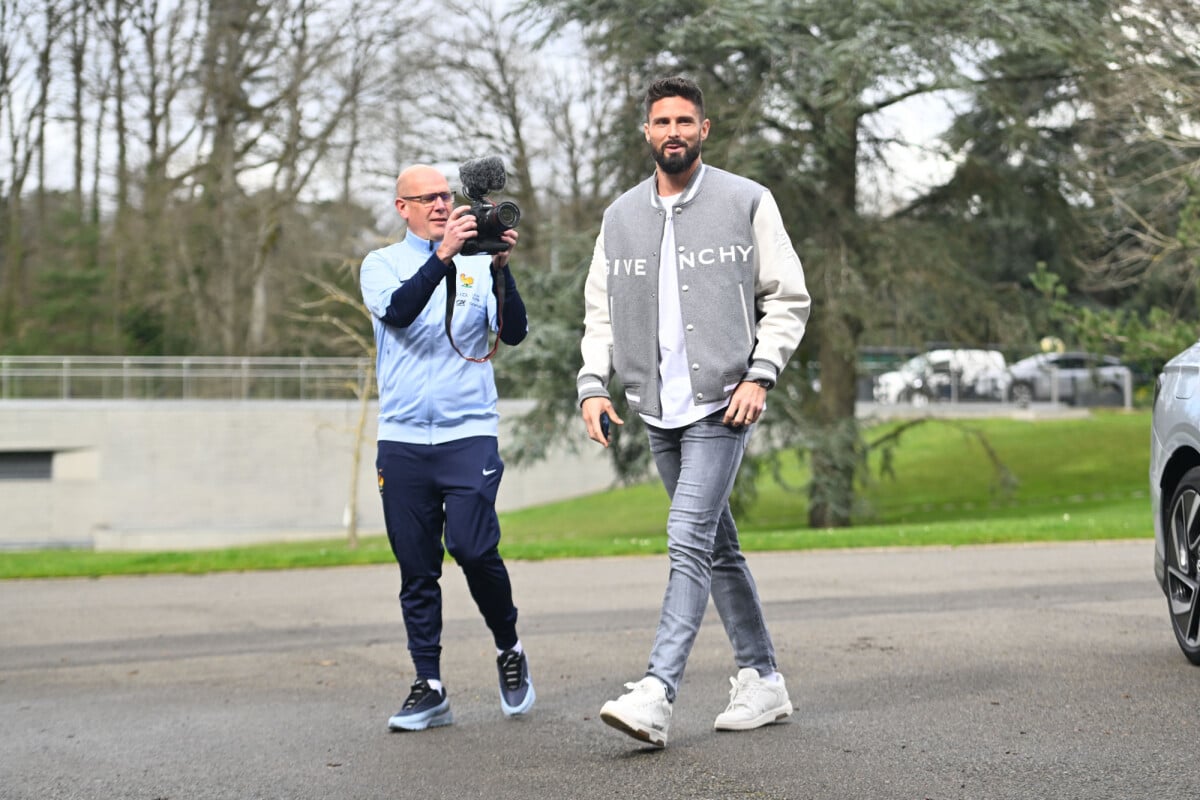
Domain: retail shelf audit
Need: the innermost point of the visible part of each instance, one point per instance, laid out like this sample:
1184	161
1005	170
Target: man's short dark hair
677	86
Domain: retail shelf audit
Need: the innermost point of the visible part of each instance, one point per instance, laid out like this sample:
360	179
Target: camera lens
507	215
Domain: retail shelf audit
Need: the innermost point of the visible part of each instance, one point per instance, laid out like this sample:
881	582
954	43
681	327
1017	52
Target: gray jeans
698	464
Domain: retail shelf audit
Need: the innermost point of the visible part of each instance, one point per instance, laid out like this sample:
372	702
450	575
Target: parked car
938	374
1175	494
1080	378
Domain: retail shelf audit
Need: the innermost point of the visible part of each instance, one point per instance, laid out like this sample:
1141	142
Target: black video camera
479	178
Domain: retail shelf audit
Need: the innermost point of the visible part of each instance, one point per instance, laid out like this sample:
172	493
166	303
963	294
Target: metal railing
180	378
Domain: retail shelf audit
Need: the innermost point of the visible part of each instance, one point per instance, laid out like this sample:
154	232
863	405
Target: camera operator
438	463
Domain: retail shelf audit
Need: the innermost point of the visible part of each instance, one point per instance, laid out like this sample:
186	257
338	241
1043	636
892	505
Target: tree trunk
364	397
14	262
831	489
835	451
259	313
79	42
120	243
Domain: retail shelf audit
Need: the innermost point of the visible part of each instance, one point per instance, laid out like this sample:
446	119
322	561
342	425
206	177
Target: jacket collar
419	244
689	191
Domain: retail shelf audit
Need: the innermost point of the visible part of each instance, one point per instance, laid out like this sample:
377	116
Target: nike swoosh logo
489	472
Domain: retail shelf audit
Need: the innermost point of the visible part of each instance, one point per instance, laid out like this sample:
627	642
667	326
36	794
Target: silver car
1069	377
1175	494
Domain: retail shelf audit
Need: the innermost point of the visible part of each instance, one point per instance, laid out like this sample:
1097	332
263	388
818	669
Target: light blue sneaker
425	707
516	689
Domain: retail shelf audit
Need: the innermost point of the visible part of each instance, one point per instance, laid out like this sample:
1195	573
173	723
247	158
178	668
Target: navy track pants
445	491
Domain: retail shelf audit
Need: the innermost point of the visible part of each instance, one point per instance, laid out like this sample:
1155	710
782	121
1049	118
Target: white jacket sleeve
597	328
781	295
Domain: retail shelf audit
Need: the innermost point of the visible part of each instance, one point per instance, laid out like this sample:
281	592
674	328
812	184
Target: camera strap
498	287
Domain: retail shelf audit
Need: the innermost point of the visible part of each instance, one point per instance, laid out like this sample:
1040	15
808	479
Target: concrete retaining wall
180	474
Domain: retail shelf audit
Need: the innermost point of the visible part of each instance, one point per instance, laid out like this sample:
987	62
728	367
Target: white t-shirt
674	372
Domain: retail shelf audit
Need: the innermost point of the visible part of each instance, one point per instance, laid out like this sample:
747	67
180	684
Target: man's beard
677	162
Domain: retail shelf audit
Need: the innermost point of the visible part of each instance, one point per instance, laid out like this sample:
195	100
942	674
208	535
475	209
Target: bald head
418	175
424	201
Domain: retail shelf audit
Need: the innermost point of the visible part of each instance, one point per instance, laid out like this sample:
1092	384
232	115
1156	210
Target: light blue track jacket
429	394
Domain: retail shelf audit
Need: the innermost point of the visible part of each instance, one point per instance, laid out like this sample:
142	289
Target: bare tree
308	116
19	107
219	149
80	29
273	106
480	98
1147	166
361	74
114	18
575	178
54	21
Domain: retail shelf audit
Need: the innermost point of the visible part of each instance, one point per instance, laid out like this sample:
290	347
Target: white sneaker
753	702
643	713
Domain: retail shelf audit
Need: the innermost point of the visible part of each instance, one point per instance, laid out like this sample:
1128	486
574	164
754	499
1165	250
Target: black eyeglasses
429	199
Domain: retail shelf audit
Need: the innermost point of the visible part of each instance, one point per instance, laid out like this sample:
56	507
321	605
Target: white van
958	374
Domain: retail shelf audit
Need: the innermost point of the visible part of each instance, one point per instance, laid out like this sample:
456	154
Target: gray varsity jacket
741	290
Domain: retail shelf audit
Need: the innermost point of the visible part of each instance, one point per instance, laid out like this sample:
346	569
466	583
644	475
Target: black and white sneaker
516	689
425	707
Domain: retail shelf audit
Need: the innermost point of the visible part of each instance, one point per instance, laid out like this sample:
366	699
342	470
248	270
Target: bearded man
696	298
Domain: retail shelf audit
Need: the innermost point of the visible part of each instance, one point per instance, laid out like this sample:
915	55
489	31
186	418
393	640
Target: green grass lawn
942	473
1074	479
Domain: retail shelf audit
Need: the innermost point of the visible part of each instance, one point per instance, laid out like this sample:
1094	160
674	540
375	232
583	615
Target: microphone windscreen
482	176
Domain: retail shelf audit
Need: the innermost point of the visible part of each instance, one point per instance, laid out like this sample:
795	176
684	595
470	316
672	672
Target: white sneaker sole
515	711
766	718
398	723
611	715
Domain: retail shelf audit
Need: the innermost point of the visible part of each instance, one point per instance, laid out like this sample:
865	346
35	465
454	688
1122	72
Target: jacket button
690	327
695	367
684	287
699	395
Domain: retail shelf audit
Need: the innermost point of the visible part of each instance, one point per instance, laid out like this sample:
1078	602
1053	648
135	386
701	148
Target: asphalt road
1044	671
